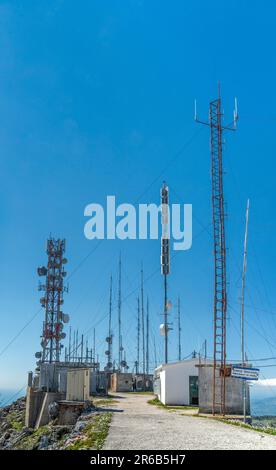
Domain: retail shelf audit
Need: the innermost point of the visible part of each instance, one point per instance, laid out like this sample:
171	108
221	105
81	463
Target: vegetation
105	401
94	434
232	422
157	402
16	420
32	441
271	431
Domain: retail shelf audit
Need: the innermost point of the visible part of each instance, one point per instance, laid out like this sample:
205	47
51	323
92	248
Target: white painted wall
174	380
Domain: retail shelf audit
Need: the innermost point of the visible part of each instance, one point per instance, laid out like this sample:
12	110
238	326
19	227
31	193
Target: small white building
176	383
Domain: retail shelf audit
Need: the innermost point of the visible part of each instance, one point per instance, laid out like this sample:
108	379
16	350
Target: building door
193	386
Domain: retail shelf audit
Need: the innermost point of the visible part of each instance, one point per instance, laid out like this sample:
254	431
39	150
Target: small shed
121	382
176	383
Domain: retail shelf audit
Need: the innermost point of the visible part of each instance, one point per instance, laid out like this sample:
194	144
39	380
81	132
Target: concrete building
121	382
176	383
127	382
54	383
233	392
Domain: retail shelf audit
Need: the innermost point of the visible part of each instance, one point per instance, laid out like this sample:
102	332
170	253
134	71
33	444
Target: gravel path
136	425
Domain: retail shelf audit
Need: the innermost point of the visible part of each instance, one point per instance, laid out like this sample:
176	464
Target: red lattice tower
220	273
52	301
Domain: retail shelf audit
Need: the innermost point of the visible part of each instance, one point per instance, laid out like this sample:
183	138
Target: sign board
245	373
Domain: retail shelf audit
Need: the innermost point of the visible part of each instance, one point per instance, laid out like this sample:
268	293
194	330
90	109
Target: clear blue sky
96	99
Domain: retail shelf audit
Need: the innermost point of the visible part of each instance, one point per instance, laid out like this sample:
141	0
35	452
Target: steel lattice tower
220	274
52	301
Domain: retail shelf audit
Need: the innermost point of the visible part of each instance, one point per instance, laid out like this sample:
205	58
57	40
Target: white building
176	383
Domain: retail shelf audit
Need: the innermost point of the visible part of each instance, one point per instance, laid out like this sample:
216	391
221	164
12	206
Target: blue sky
97	99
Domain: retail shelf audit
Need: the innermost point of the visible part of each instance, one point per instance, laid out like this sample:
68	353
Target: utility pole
138	336
242	307
143	321
217	128
179	329
165	257
147	339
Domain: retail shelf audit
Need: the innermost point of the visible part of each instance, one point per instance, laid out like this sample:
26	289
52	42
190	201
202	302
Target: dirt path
137	425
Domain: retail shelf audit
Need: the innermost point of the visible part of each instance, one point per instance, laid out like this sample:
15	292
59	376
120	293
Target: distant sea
8	396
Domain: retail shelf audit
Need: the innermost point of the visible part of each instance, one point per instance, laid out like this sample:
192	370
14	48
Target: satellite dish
65	318
109	365
107	353
162	329
64	261
38	363
38	355
42	271
123	364
64	273
63	335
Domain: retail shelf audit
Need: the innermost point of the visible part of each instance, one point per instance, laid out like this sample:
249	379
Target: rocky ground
89	431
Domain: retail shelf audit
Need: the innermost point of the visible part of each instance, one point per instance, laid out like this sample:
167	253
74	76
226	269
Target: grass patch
157	402
15	421
271	431
105	401
95	434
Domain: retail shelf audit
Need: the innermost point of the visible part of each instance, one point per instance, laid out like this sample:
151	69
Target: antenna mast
109	338
147	338
242	306
119	314
220	279
179	329
243	283
143	319
138	337
52	301
165	257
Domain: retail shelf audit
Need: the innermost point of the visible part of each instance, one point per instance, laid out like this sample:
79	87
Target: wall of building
175	382
233	395
34	399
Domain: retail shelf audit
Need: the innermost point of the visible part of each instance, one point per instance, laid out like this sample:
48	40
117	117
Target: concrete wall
34	399
69	412
43	415
233	396
175	382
